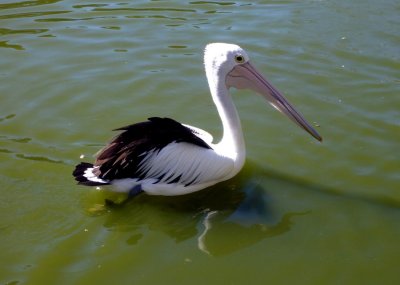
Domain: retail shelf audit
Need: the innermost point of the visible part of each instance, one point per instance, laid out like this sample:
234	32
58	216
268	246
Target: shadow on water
240	208
243	209
378	200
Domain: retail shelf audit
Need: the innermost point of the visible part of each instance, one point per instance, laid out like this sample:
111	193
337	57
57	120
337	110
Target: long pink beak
245	76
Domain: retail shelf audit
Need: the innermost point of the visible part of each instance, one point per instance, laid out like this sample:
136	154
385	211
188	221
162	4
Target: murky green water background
300	212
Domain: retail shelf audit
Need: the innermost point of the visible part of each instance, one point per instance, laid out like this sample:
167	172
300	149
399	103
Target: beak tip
318	137
314	133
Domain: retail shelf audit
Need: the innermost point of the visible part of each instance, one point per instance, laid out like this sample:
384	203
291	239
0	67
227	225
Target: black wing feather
122	156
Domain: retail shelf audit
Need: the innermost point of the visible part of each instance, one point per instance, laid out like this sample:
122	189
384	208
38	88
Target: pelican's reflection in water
253	220
222	219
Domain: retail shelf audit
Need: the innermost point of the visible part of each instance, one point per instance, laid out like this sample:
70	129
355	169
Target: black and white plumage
154	153
163	157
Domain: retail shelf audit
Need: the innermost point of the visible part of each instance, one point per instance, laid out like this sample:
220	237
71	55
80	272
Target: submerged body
163	157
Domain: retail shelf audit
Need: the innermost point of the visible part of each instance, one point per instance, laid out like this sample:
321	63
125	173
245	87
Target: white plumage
197	168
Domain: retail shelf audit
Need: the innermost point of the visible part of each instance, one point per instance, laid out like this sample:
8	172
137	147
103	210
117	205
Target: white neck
232	142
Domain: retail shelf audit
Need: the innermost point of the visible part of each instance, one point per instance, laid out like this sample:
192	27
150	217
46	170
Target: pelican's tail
83	173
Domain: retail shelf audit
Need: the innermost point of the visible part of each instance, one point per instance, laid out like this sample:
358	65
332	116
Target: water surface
300	211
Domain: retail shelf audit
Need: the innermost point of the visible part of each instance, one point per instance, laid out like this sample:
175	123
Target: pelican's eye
239	58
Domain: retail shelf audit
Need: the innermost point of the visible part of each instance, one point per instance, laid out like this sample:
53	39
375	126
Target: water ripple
23	4
39	158
213	2
4	31
5	44
145	10
7	117
32	14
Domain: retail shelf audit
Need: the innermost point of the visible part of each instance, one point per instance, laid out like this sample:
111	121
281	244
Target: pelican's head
221	58
231	63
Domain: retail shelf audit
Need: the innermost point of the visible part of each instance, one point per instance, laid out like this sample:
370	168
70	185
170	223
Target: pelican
163	157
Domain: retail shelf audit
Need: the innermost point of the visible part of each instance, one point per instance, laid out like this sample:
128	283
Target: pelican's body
163	157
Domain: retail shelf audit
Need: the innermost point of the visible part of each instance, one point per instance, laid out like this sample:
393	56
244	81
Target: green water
300	212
